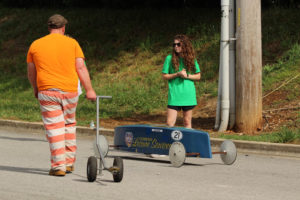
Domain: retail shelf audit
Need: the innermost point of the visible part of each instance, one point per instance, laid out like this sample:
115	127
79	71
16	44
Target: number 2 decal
176	135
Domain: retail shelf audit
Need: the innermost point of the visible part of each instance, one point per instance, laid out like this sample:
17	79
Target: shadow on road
22	139
164	161
84	179
25	170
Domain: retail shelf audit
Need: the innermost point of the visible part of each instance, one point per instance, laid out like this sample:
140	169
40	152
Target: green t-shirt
182	92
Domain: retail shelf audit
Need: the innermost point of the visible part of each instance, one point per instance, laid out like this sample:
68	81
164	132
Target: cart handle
98	128
104	97
101	97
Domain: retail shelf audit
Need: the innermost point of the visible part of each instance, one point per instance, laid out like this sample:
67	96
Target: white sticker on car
176	135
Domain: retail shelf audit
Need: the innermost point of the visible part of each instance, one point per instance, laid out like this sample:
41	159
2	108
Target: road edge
242	146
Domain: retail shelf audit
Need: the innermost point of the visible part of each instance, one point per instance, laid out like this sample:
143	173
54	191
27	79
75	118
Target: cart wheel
92	169
103	146
177	154
118	176
229	147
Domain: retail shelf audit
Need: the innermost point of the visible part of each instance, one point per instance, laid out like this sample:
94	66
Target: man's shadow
24	170
23	139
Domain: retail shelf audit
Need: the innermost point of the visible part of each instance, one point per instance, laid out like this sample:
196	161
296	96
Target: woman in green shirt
181	69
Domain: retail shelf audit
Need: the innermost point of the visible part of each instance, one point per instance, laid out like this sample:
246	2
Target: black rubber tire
118	162
91	169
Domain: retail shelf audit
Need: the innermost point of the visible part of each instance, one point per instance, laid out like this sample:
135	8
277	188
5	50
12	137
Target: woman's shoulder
169	57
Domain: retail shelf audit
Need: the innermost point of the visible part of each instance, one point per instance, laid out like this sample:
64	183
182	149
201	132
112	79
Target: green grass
125	51
284	76
285	135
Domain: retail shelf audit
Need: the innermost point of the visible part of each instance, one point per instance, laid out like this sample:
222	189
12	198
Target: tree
249	67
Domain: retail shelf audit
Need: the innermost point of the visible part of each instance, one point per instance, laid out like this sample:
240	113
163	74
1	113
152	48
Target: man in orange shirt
54	63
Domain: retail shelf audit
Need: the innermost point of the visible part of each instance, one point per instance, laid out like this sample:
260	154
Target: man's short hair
56	21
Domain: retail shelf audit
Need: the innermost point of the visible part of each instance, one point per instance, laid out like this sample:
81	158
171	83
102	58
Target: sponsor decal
157	130
176	135
146	142
128	138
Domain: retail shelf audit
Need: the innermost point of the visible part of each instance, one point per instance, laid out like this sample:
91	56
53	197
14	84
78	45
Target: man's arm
31	74
85	80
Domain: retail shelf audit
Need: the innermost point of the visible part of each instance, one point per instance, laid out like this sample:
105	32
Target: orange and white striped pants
58	113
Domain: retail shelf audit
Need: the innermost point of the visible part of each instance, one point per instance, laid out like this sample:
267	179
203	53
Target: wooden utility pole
248	66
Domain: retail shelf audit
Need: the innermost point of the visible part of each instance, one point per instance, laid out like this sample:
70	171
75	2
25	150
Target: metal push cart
101	150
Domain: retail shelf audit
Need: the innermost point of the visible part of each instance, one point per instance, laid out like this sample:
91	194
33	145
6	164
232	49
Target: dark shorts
184	108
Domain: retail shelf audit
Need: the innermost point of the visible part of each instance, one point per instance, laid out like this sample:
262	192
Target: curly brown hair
187	53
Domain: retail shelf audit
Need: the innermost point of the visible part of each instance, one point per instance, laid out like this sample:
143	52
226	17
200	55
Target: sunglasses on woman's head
176	44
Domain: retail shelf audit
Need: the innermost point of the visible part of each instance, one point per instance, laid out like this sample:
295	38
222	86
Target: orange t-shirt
54	58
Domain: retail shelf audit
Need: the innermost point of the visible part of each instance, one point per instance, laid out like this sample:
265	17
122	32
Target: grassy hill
125	51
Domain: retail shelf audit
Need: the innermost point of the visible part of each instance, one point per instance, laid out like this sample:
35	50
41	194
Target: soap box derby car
177	142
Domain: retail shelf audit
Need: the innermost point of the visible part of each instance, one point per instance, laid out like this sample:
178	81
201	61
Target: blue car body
157	140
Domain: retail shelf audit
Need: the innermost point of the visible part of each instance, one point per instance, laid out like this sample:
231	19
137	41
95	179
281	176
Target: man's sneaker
69	169
56	172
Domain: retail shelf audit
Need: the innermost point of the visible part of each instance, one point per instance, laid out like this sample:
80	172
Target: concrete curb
276	149
241	145
39	127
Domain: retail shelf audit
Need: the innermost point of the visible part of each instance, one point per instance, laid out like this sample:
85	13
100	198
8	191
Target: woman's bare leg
171	117
187	118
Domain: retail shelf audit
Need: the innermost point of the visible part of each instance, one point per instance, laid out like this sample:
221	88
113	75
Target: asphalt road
24	166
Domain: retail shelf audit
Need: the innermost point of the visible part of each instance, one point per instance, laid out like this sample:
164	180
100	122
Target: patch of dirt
274	52
277	112
13	47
